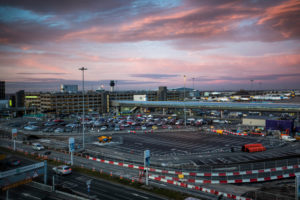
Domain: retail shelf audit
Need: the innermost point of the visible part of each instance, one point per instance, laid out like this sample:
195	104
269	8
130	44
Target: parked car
62	170
47	129
59	130
37	146
103	128
31	128
68	130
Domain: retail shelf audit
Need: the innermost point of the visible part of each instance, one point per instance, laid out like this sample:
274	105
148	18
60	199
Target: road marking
137	195
29	195
82	178
68	184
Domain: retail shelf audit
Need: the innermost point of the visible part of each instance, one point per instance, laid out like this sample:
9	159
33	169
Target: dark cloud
154	76
65	6
28	33
269	77
104	21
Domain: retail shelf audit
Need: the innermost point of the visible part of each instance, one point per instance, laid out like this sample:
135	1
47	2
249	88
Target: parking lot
189	149
170	143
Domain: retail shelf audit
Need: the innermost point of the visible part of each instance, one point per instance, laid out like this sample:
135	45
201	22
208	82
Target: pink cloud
284	18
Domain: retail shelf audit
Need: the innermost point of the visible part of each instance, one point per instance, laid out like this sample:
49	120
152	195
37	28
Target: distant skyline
220	44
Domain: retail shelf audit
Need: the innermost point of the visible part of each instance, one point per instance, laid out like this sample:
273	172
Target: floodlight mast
184	79
83	118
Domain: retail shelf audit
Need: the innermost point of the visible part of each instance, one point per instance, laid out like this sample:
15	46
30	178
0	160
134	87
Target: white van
37	146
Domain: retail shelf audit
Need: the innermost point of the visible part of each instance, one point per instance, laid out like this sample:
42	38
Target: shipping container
246	147
256	149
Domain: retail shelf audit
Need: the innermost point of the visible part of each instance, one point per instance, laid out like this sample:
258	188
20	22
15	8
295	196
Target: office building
2	90
162	93
20	98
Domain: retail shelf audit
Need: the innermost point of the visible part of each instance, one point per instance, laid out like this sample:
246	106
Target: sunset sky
220	44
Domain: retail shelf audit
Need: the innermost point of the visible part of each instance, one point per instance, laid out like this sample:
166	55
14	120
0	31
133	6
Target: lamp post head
82	68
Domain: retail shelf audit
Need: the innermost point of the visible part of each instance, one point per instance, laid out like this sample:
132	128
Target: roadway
100	189
75	183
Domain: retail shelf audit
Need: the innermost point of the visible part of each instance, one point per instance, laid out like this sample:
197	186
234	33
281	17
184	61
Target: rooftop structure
277	107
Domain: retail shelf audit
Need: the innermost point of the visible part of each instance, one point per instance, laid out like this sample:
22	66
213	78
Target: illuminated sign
10	103
31	97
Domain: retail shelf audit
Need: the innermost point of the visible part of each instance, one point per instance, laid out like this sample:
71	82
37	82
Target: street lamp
82	69
184	78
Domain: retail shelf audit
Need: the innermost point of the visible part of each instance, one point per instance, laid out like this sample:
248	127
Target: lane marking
137	195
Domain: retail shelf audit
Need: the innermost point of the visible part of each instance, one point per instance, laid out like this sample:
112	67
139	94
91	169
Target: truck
104	139
288	138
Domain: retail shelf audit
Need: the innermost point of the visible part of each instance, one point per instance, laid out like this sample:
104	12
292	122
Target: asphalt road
76	183
26	192
100	189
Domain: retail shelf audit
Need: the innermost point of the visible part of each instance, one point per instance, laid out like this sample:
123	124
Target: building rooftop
214	105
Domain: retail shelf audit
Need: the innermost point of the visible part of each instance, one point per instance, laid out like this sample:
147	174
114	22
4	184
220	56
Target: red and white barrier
196	181
207	190
207	174
225	132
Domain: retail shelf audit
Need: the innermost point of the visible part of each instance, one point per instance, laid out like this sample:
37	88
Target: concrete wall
254	122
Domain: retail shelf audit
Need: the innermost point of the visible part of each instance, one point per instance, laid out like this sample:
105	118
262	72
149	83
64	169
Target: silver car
62	170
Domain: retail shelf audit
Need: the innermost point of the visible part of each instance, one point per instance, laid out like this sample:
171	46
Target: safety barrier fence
220	174
226	132
199	188
246	180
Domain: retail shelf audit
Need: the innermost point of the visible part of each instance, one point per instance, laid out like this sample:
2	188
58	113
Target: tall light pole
184	78
82	69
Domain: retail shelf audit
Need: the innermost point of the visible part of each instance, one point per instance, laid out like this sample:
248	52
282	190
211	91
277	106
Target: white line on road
29	195
137	195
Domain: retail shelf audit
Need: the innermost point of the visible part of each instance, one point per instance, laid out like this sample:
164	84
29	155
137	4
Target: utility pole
83	69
